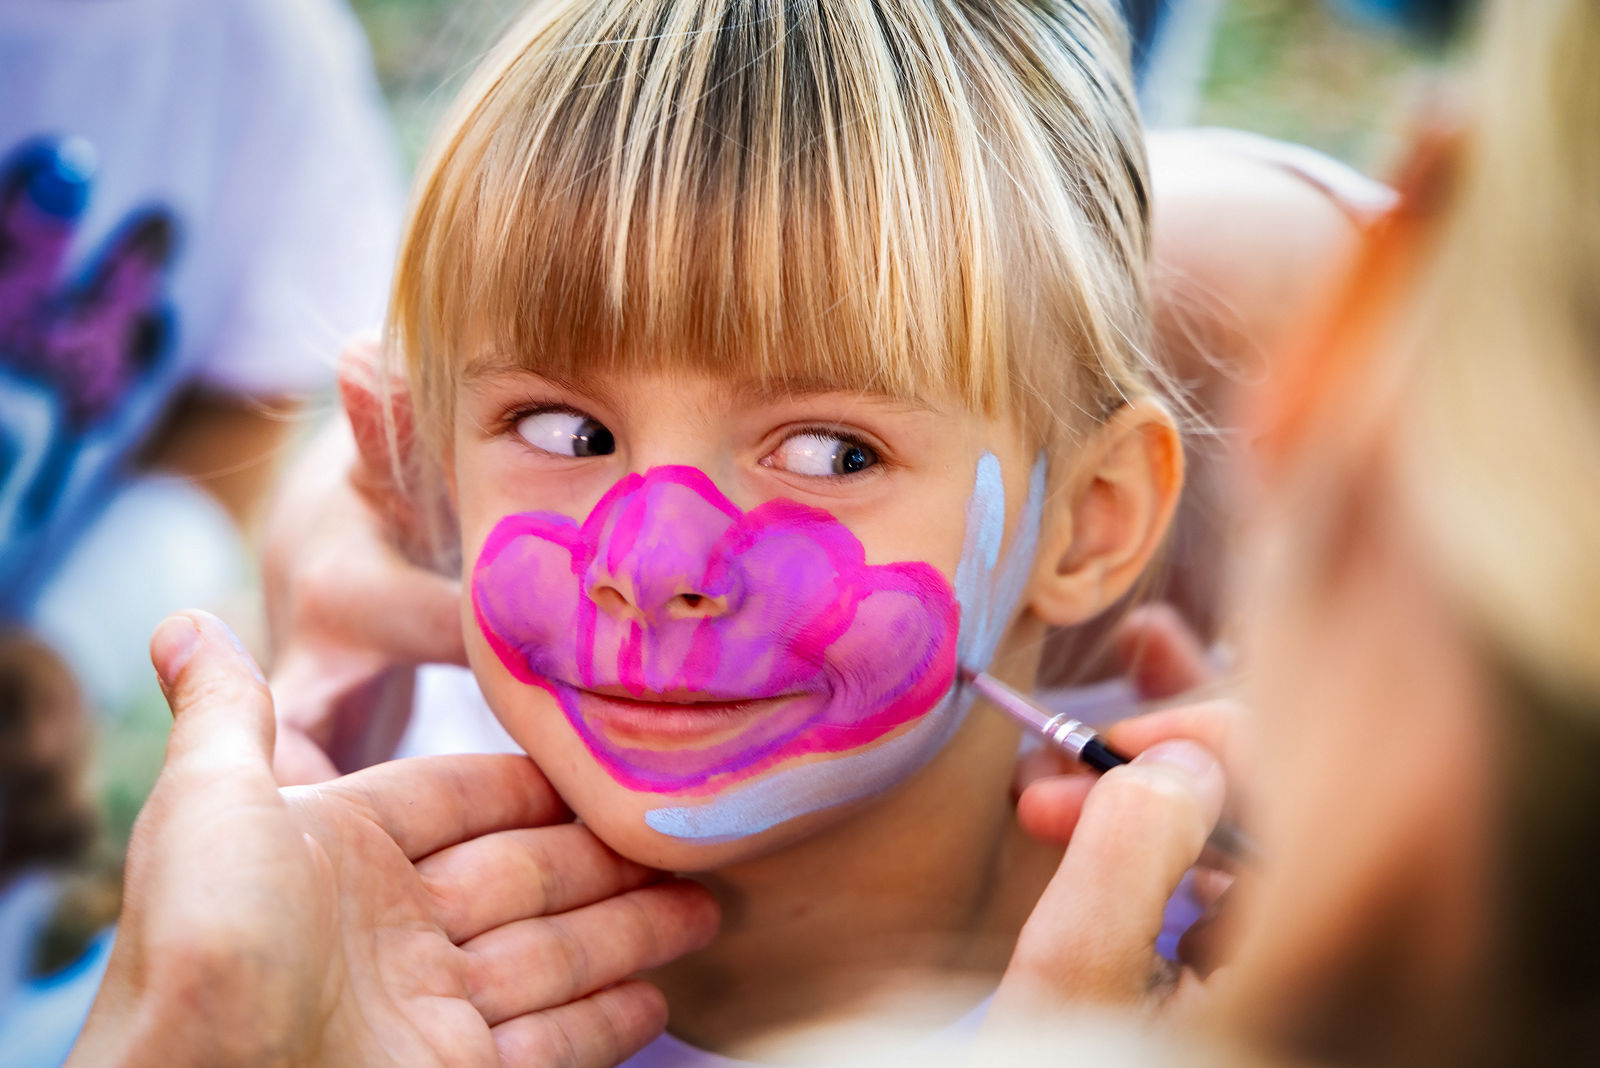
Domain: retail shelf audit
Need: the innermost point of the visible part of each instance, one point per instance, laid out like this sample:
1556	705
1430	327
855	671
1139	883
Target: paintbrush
1083	743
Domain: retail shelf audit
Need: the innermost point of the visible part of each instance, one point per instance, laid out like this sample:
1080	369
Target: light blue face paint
988	602
988	593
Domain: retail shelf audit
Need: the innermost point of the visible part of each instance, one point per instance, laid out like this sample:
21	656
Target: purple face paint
765	630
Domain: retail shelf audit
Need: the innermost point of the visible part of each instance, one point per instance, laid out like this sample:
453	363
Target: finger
537	964
519	874
1160	653
222	712
1093	934
1220	725
598	1031
1038	764
428	803
1049	808
371	597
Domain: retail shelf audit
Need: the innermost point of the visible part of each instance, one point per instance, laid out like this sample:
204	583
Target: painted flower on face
668	596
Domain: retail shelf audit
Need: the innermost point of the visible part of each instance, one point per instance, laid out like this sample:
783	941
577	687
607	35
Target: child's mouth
674	719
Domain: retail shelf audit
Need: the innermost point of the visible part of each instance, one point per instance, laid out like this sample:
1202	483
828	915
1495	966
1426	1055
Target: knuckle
564	1051
571	963
628	1016
642	918
545	1040
548	884
606	1031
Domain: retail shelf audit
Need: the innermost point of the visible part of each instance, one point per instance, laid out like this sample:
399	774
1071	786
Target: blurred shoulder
1253	224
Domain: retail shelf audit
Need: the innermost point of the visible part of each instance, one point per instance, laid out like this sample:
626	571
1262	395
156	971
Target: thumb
221	708
1093	934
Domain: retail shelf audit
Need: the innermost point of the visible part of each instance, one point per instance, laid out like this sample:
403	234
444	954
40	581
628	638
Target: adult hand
1157	652
1130	836
350	609
430	911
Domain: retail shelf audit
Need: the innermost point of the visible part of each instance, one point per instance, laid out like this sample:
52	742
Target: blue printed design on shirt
83	354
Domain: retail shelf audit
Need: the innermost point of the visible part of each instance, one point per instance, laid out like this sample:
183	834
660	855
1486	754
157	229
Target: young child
781	359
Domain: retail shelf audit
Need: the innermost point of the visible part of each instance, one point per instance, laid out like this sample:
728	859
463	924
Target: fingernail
226	631
174	643
1192	757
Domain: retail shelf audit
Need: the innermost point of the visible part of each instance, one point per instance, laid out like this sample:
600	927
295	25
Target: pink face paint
693	645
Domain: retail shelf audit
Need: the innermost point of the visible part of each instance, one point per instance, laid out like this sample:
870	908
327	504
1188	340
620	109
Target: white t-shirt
254	131
450	715
943	1045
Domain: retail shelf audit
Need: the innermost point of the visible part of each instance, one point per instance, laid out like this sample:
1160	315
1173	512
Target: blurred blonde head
1442	441
920	197
1506	437
1501	460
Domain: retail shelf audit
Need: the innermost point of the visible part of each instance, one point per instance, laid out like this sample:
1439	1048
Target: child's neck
915	900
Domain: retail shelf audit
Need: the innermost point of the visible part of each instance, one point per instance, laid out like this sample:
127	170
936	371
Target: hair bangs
743	189
926	200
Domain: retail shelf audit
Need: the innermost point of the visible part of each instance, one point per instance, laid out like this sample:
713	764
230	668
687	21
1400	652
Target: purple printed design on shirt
668	588
93	338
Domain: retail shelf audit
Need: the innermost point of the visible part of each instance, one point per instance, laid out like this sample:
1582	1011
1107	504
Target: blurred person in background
1423	642
196	201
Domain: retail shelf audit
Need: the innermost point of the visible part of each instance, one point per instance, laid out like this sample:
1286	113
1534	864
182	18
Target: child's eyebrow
491	365
762	391
498	364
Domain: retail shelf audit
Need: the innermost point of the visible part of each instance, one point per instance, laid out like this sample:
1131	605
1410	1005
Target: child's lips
672	720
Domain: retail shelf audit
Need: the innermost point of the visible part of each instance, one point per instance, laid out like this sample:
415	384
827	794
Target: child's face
717	617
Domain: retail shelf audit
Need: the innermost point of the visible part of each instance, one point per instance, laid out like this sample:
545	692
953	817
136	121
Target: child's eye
566	433
822	454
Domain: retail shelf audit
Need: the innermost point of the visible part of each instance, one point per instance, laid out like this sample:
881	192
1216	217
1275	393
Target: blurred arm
231	447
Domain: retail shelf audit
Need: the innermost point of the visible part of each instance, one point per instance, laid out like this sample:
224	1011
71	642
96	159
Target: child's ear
379	412
1110	517
388	452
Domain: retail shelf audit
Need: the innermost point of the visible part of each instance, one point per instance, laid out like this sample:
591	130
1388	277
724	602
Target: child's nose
619	599
655	560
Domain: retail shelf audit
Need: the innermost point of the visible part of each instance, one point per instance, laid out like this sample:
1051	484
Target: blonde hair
1479	365
1502	458
1507	437
895	195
